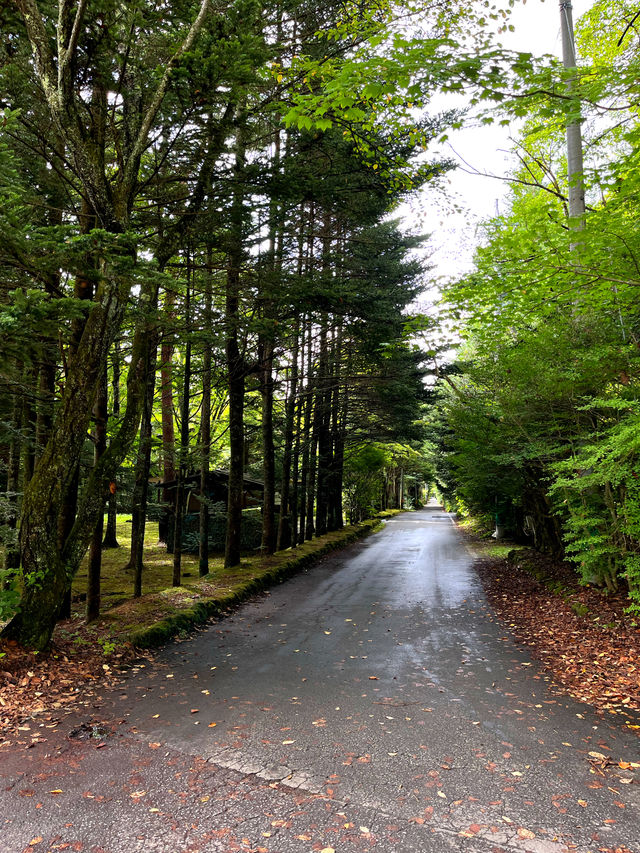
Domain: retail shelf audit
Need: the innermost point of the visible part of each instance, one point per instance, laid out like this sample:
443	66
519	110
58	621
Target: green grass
117	580
483	544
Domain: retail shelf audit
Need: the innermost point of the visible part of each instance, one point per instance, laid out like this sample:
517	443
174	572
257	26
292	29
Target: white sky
485	149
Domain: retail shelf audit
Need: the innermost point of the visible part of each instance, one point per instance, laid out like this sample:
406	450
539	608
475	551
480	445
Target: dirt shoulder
583	637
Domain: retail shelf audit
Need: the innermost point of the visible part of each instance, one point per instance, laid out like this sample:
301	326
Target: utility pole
575	169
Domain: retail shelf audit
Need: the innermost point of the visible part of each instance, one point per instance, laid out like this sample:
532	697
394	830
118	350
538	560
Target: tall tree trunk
168	429
205	426
306	403
268	448
235	361
48	565
110	536
322	433
311	472
143	464
335	520
101	414
184	441
286	498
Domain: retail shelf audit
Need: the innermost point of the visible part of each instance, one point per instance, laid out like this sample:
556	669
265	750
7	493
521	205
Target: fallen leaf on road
35	841
526	833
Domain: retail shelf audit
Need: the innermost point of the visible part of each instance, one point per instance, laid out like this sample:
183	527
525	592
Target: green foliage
539	420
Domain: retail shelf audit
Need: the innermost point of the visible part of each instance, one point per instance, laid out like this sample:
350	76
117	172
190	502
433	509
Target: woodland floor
582	636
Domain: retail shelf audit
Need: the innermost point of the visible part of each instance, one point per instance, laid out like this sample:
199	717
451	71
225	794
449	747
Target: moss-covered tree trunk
48	565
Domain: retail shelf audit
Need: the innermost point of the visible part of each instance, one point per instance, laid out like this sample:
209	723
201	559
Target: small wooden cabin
217	491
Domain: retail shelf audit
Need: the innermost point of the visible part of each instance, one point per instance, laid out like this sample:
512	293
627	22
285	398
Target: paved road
371	703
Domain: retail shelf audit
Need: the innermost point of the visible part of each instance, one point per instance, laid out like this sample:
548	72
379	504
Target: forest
205	289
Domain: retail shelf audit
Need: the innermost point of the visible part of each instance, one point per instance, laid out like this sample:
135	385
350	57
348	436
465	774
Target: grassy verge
482	541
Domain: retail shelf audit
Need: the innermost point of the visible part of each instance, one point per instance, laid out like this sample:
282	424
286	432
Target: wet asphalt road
371	703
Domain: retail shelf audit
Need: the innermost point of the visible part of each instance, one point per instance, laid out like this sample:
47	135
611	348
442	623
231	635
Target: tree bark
168	428
205	426
140	495
184	444
235	361
110	536
268	448
101	415
286	497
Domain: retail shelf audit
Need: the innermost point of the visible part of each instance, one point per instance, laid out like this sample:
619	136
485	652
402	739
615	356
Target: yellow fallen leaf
287	742
56	791
35	841
328	850
526	833
212	725
582	803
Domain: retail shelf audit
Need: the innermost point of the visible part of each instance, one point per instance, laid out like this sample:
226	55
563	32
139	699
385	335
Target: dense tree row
190	283
539	422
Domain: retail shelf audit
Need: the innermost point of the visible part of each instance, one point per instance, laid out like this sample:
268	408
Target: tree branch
142	138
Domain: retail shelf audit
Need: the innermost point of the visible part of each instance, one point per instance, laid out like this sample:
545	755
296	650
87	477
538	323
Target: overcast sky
485	149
